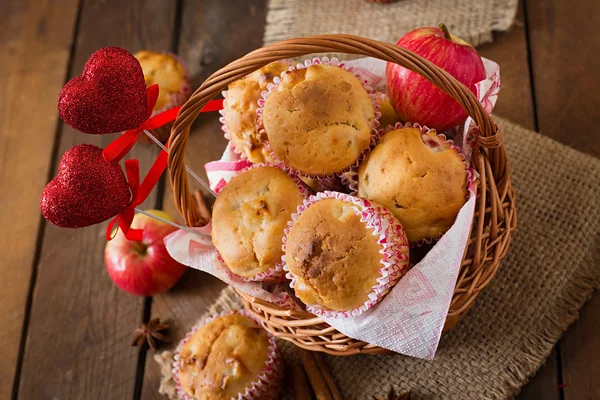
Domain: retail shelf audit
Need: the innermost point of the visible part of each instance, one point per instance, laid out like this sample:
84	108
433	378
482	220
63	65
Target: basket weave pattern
495	216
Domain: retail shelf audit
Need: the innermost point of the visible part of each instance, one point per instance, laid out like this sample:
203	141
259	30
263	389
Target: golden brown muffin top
319	120
419	178
240	110
333	255
164	70
250	216
223	358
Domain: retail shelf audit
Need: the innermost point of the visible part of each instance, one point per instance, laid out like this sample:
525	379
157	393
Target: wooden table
65	328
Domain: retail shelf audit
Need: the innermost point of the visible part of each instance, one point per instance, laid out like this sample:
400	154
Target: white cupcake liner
222	118
351	179
267	385
180	97
307	63
391	237
276	274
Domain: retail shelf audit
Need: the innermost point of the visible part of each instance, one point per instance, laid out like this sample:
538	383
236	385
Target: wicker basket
495	214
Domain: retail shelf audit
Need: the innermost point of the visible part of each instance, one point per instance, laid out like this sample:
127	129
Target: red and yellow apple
413	97
143	268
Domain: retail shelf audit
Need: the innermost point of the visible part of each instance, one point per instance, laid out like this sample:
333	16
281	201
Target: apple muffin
338	255
239	111
249	219
228	356
319	120
420	177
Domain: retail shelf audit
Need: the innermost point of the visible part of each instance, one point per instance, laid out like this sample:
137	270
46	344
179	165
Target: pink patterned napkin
409	320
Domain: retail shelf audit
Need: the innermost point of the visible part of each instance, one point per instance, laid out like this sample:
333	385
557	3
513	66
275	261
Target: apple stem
444	29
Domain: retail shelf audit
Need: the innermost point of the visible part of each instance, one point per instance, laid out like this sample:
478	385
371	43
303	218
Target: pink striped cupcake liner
307	63
431	137
267	385
275	274
391	237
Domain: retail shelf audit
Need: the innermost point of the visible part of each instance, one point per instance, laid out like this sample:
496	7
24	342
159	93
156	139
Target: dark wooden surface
65	328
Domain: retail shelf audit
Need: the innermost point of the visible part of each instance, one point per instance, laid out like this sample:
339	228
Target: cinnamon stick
298	382
335	393
315	377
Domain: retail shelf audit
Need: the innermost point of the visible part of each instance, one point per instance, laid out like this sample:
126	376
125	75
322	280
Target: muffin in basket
239	111
420	177
249	219
319	120
343	253
229	356
169	73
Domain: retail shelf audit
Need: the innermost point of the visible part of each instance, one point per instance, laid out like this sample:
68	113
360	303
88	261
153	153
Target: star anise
151	334
392	395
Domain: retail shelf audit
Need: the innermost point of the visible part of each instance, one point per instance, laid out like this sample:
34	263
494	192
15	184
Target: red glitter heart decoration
109	96
87	189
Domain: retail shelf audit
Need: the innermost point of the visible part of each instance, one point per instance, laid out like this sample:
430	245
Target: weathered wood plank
564	44
212	35
35	43
78	342
564	60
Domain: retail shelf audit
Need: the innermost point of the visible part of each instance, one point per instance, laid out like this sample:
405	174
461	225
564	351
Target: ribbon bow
123	144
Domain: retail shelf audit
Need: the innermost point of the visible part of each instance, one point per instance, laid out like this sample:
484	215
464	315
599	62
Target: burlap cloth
472	20
552	267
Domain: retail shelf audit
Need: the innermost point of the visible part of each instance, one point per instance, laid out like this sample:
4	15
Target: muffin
343	253
169	73
239	112
249	219
319	120
228	357
420	177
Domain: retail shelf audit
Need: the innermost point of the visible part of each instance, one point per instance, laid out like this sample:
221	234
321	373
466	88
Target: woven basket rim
495	213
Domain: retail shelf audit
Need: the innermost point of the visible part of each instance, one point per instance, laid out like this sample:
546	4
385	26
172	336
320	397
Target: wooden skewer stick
298	382
315	377
335	393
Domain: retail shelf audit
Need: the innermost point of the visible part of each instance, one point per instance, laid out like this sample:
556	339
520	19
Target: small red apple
143	268
413	97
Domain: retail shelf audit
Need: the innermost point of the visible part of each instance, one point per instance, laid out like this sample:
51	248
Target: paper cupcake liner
351	179
267	385
391	237
276	274
307	63
226	133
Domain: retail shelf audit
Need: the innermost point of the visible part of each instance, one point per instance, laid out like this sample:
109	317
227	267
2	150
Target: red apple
414	98
143	268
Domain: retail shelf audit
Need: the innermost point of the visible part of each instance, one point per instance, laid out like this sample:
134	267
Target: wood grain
78	342
35	43
564	53
211	36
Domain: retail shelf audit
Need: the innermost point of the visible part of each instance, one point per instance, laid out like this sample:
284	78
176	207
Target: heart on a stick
109	96
87	189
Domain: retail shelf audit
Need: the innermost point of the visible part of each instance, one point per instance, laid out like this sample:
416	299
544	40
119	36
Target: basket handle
489	137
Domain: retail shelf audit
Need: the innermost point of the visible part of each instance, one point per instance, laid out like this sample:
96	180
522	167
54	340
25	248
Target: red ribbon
123	144
139	193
